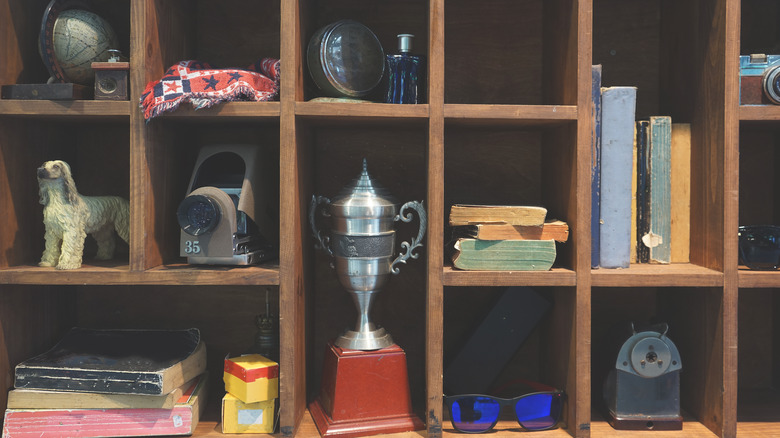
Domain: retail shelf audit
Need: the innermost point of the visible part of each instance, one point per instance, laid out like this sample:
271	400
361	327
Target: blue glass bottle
405	74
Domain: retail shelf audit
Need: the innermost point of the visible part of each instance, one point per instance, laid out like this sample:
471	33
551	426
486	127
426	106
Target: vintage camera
759	79
230	213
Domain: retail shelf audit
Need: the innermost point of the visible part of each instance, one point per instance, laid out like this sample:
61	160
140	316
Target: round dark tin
345	59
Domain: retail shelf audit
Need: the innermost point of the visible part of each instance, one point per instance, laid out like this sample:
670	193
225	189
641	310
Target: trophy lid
363	198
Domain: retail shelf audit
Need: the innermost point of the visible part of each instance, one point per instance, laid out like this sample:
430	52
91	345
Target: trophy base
364	393
368	340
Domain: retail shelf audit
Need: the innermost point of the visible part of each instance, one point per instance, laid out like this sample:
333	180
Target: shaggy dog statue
69	217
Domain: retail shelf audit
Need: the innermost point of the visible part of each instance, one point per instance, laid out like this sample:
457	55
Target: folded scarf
204	86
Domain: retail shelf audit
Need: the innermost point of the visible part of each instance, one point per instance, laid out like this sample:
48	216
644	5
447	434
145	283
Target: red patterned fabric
204	86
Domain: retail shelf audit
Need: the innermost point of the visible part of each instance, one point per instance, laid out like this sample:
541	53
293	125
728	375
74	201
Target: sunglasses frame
449	400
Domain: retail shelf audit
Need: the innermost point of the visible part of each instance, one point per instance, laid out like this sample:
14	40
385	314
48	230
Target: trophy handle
323	242
403	257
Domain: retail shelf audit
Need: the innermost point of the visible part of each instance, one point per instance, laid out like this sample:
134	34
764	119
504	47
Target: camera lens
198	214
771	84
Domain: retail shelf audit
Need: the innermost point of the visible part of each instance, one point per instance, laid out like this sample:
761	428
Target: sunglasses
759	246
477	413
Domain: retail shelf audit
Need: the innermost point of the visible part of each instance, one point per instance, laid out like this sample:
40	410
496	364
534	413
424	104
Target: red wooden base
364	393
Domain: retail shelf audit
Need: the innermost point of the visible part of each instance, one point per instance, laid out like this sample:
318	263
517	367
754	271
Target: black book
151	362
642	190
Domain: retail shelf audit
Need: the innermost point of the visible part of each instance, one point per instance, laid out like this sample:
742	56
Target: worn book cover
642	222
123	422
504	255
152	362
47	399
618	107
660	235
595	166
467	214
555	230
633	200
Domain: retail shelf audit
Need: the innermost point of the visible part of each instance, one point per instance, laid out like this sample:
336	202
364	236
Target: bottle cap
405	42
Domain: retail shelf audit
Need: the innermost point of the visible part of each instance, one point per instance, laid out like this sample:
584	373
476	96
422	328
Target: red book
43	423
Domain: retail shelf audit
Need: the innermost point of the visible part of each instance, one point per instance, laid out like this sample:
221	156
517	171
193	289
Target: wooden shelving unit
507	121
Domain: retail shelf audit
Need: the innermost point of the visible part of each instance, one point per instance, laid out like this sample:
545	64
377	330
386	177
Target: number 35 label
191	247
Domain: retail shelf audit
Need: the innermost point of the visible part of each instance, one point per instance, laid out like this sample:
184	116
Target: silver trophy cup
361	243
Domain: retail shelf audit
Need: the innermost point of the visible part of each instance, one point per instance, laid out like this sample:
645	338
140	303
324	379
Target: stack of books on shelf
640	178
252	390
504	237
111	383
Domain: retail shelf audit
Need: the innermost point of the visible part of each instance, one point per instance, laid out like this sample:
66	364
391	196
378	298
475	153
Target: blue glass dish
759	246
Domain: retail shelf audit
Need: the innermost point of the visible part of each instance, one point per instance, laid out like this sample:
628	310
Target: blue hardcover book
642	190
660	235
595	166
618	109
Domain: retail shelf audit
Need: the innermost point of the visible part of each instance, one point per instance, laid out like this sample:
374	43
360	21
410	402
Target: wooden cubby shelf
759	113
66	109
226	112
758	279
691	428
182	274
506	119
510	115
553	277
642	275
360	111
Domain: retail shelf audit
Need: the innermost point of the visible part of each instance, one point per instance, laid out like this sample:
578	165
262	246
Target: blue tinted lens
474	414
538	411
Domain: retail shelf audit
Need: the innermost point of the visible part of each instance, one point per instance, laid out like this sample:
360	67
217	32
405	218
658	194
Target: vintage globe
81	38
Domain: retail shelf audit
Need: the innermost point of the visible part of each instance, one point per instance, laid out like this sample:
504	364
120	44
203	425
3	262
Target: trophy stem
364	301
366	336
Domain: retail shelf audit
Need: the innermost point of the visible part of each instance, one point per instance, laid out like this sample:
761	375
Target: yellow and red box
240	417
251	378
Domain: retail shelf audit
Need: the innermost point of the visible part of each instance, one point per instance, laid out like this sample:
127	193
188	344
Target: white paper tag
177	421
250	417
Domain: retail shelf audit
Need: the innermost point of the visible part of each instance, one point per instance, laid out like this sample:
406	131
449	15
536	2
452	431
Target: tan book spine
681	193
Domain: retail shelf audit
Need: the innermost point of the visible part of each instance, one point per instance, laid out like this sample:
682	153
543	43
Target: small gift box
251	378
240	417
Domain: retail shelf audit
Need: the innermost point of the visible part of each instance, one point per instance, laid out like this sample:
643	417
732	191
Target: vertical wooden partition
434	333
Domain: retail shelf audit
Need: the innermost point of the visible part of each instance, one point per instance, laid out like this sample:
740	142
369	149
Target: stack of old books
111	383
504	237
